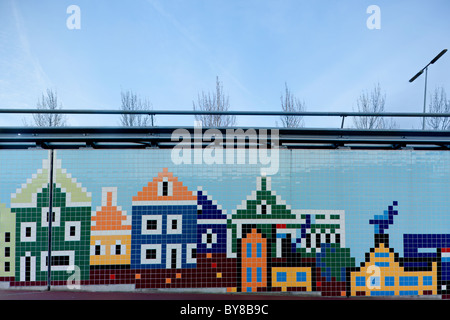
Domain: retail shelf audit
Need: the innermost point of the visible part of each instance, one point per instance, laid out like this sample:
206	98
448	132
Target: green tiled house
266	211
71	222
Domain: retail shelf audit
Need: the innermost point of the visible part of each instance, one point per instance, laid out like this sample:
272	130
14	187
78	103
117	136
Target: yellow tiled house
110	232
382	275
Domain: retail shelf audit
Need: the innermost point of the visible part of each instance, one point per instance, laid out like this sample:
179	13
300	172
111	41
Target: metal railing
161	136
236	113
340	114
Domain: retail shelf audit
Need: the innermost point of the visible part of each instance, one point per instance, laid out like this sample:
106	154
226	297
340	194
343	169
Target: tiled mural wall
333	222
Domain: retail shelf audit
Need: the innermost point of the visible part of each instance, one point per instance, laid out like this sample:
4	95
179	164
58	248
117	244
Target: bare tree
439	104
131	102
215	101
289	103
49	102
372	102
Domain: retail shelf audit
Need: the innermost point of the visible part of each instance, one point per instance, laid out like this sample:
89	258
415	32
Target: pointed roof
26	196
264	203
207	208
109	216
153	191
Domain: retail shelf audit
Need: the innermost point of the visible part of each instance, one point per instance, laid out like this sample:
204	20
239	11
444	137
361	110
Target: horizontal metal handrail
167	137
235	113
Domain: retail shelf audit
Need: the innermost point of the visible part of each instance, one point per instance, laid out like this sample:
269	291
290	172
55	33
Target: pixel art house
164	232
110	233
71	222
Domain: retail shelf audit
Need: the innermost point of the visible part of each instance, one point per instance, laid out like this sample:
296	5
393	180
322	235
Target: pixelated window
382	264
263	209
118	249
56	261
173	258
308	240
7	266
360	281
165	188
209	238
150	254
301	276
174	224
249	274
28	231
56	216
389	281
427	280
337	238
259	274
281	277
72	231
194	253
98	249
381	254
7	252
249	250
409	281
53	216
152	224
7	237
259	250
318	240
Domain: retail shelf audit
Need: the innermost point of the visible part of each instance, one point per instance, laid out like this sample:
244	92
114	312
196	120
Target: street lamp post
426	79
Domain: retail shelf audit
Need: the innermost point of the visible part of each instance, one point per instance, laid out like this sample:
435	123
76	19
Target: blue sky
170	50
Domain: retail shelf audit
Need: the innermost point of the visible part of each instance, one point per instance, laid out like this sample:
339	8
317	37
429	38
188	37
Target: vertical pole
50	219
425	98
342	123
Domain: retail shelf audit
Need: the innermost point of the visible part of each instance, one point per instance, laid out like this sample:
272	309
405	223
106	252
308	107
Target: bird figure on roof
382	222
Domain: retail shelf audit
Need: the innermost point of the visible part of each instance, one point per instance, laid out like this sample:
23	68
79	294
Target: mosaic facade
338	223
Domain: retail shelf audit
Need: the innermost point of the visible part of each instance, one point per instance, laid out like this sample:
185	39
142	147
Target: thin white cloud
22	77
37	71
202	48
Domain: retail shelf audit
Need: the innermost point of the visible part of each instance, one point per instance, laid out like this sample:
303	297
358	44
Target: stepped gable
26	196
263	203
109	216
165	187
